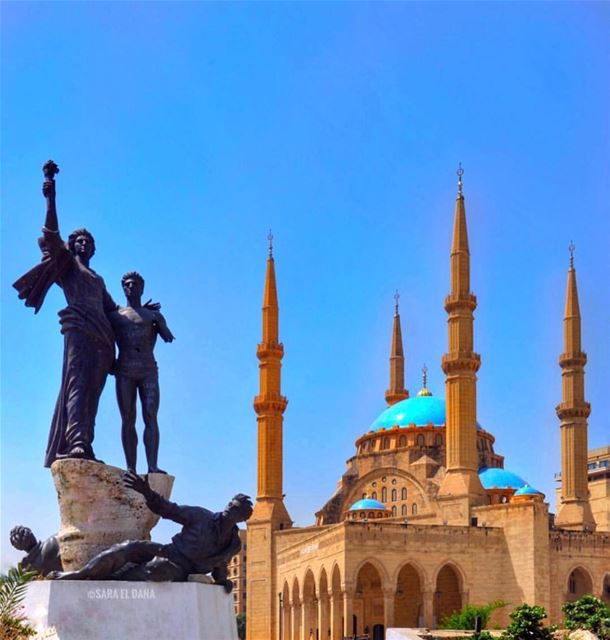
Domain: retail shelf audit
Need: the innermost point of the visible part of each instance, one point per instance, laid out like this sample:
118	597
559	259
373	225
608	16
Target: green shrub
588	613
241	625
465	619
527	624
13	585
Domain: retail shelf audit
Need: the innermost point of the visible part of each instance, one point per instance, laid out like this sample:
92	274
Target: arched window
420	440
403	510
439	439
386	443
384	495
394	510
364	495
403	493
402	441
374	495
414	509
394	495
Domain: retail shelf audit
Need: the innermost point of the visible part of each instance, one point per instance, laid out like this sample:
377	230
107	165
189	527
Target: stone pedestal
97	510
118	610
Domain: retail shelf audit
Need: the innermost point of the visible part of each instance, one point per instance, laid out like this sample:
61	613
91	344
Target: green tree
241	625
527	624
466	618
588	613
13	586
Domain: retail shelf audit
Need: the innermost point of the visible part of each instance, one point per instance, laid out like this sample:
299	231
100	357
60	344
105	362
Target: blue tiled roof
526	490
367	503
493	478
420	410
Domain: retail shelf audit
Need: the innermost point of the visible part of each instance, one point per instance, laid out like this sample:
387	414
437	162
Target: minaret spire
574	510
397	390
461	484
270	404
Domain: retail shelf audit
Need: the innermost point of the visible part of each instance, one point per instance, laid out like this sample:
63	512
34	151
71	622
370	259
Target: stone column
348	612
336	608
428	606
388	607
323	622
294	621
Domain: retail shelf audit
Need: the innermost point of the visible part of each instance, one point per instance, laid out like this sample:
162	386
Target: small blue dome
526	490
367	503
420	411
494	478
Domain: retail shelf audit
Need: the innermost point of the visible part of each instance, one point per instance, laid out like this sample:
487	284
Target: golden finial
460	173
571	249
424	390
396	299
270	239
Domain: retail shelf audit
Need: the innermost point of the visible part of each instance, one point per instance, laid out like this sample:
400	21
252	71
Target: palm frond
13	587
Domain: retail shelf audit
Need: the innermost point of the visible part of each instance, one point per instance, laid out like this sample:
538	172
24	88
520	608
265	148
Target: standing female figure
88	335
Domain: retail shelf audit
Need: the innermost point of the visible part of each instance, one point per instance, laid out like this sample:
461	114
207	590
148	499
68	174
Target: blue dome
420	411
367	503
493	478
526	490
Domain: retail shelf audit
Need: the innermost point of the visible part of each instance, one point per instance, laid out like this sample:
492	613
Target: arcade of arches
315	607
318	609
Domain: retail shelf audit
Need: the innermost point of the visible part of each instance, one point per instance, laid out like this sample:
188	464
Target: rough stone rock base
97	510
118	610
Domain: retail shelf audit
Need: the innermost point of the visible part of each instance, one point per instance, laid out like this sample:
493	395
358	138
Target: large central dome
420	411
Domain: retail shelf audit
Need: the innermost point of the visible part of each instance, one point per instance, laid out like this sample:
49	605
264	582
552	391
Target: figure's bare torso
136	334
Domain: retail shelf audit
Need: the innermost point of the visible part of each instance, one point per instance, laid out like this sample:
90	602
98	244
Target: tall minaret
270	513
574	510
397	390
270	404
461	487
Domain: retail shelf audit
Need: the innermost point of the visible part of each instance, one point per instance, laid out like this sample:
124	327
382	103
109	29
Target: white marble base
119	610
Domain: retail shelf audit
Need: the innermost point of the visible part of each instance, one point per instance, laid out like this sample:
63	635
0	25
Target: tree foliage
527	624
13	586
588	613
241	625
466	618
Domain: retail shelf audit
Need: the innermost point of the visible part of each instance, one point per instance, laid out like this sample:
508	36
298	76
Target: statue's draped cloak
88	342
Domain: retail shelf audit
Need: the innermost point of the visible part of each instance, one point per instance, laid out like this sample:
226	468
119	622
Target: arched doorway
323	608
447	596
295	610
579	583
606	589
285	617
368	602
310	608
336	609
408	602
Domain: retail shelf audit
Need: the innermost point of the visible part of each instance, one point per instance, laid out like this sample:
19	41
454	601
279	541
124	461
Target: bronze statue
136	328
88	335
42	556
205	545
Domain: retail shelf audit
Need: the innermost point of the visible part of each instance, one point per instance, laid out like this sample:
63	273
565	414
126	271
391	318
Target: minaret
397	390
270	514
574	510
461	487
270	404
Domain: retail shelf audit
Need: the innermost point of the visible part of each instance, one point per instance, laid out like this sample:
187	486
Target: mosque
425	518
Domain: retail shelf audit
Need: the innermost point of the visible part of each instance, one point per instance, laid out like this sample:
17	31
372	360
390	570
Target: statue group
92	324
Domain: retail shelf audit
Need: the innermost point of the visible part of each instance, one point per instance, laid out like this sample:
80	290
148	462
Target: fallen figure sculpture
205	545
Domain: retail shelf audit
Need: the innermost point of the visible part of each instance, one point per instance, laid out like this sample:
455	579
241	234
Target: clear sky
184	131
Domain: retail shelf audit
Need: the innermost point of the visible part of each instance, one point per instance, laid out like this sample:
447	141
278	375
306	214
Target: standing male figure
136	328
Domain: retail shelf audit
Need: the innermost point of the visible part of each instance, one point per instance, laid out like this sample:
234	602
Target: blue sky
184	131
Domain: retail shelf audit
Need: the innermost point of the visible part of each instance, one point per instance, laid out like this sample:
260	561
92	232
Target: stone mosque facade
425	518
